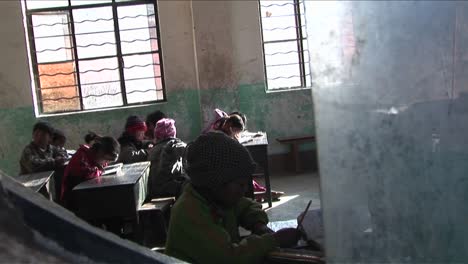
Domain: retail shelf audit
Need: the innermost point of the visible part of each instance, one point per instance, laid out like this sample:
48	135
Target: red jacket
82	167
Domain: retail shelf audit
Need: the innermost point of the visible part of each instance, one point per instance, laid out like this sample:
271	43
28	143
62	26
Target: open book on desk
246	136
113	170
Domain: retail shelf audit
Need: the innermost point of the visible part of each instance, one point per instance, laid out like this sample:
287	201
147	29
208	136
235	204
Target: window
94	54
285	44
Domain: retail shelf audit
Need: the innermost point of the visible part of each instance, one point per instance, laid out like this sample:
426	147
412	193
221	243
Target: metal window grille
285	49
94	54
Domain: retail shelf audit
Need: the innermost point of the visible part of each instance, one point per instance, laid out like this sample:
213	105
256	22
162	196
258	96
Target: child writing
39	155
205	219
233	125
166	173
87	163
131	141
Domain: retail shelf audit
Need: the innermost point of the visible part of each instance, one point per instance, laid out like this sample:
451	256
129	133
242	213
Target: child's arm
85	170
36	164
250	214
59	152
196	238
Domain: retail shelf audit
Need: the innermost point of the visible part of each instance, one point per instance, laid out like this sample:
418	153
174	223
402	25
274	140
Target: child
205	219
218	118
87	163
131	141
58	141
166	174
151	121
233	125
39	155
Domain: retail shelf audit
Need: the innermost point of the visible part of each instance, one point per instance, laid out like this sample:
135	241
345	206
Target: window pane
137	28
278	20
94	20
100	83
282	54
66	96
52	40
147	70
89	2
35	4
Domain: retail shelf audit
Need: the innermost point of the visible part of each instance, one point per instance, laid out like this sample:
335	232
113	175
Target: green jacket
200	233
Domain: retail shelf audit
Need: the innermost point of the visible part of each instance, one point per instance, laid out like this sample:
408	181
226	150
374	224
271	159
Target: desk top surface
131	173
35	181
248	139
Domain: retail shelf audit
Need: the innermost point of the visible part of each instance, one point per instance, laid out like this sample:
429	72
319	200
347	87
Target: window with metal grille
285	44
94	54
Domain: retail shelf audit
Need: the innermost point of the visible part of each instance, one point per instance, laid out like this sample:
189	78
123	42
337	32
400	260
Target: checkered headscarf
214	159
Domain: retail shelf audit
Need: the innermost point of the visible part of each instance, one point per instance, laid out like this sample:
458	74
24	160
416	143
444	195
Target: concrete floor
299	190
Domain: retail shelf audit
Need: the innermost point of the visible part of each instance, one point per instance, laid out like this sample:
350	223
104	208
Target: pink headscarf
218	115
165	128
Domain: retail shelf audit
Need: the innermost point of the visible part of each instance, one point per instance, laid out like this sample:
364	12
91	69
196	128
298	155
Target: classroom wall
212	58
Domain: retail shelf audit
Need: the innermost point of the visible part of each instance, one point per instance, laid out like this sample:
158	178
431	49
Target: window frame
300	38
68	10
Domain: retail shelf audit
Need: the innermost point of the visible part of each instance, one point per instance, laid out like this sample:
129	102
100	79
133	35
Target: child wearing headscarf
233	125
131	142
167	175
205	220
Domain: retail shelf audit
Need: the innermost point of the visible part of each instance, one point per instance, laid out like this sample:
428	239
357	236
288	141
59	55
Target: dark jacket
34	159
167	175
201	233
131	150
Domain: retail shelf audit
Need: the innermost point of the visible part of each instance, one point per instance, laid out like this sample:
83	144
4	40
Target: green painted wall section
280	114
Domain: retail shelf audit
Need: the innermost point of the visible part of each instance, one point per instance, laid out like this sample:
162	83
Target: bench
153	219
294	142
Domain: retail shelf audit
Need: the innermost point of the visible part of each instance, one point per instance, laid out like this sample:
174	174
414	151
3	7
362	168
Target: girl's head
91	137
59	139
233	126
42	134
219	167
136	127
105	149
165	128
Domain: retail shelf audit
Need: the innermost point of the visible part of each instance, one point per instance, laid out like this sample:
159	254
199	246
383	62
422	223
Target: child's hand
287	237
261	229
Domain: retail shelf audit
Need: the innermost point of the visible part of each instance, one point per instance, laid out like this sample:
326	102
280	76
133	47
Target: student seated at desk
233	125
133	148
205	219
151	121
167	175
87	163
58	141
39	155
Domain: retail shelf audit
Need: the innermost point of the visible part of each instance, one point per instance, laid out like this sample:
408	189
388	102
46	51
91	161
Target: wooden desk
258	148
41	182
113	196
294	142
